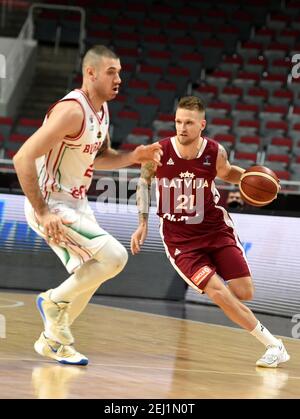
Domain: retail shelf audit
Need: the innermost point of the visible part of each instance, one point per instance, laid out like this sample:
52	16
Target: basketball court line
188	320
15	304
199	370
232	373
21	303
237	329
265	371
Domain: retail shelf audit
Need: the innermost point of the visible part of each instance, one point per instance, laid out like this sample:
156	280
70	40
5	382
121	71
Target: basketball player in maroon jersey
198	235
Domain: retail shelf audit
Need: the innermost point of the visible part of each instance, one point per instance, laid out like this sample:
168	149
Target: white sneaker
273	356
64	354
56	319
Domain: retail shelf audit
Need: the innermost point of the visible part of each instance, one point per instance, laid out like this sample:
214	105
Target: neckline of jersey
202	148
100	119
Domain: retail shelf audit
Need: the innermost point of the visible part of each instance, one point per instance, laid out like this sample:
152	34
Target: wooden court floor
138	355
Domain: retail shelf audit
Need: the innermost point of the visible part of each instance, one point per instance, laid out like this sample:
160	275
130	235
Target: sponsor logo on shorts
201	274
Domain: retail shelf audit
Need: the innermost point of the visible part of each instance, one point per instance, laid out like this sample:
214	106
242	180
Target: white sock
264	336
78	305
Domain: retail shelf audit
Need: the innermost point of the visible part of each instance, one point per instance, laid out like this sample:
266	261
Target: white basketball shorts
85	237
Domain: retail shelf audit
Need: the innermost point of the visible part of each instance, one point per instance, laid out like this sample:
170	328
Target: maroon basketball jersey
187	197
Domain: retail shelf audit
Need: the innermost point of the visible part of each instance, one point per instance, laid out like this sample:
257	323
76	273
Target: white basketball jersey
68	167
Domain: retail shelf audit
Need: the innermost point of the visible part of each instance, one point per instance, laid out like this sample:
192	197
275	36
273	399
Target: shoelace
66	351
271	352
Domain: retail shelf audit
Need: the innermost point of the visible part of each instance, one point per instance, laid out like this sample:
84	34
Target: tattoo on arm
223	155
143	194
148	171
143	198
222	159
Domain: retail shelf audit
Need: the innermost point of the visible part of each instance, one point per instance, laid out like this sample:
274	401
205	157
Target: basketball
259	186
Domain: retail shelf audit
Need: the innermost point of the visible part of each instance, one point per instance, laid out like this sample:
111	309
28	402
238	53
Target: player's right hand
145	153
53	227
138	238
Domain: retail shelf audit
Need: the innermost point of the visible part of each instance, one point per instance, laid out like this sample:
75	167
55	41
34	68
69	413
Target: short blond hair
192	103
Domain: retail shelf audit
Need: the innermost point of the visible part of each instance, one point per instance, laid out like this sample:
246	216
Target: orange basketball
259	186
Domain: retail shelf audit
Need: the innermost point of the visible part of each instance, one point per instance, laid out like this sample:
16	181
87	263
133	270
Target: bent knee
244	294
120	258
115	255
242	288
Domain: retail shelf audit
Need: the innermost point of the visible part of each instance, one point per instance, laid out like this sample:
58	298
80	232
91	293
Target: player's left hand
53	227
146	153
138	238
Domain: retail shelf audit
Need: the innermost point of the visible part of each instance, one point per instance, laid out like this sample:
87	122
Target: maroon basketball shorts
197	266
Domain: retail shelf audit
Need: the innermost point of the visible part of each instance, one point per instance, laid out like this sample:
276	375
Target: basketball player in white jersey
55	168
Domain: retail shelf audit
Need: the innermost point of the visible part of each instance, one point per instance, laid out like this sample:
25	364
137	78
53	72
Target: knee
115	257
245	294
119	258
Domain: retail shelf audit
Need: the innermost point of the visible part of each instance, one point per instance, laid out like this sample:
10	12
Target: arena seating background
236	56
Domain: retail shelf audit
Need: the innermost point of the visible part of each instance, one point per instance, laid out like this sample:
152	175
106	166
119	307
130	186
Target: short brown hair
192	103
96	52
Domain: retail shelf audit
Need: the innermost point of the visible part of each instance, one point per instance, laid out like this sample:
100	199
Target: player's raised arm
225	170
143	198
109	159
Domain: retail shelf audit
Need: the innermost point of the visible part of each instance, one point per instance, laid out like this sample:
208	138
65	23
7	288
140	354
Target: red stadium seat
231	63
139	135
278	157
128	146
222	122
166	133
283	174
206	92
247	127
250	139
10	153
227	141
158	58
281	97
219	79
18	138
245	156
231	94
5	126
264	36
282	141
228	138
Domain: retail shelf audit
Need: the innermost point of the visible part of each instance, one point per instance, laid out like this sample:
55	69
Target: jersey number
89	171
186	202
